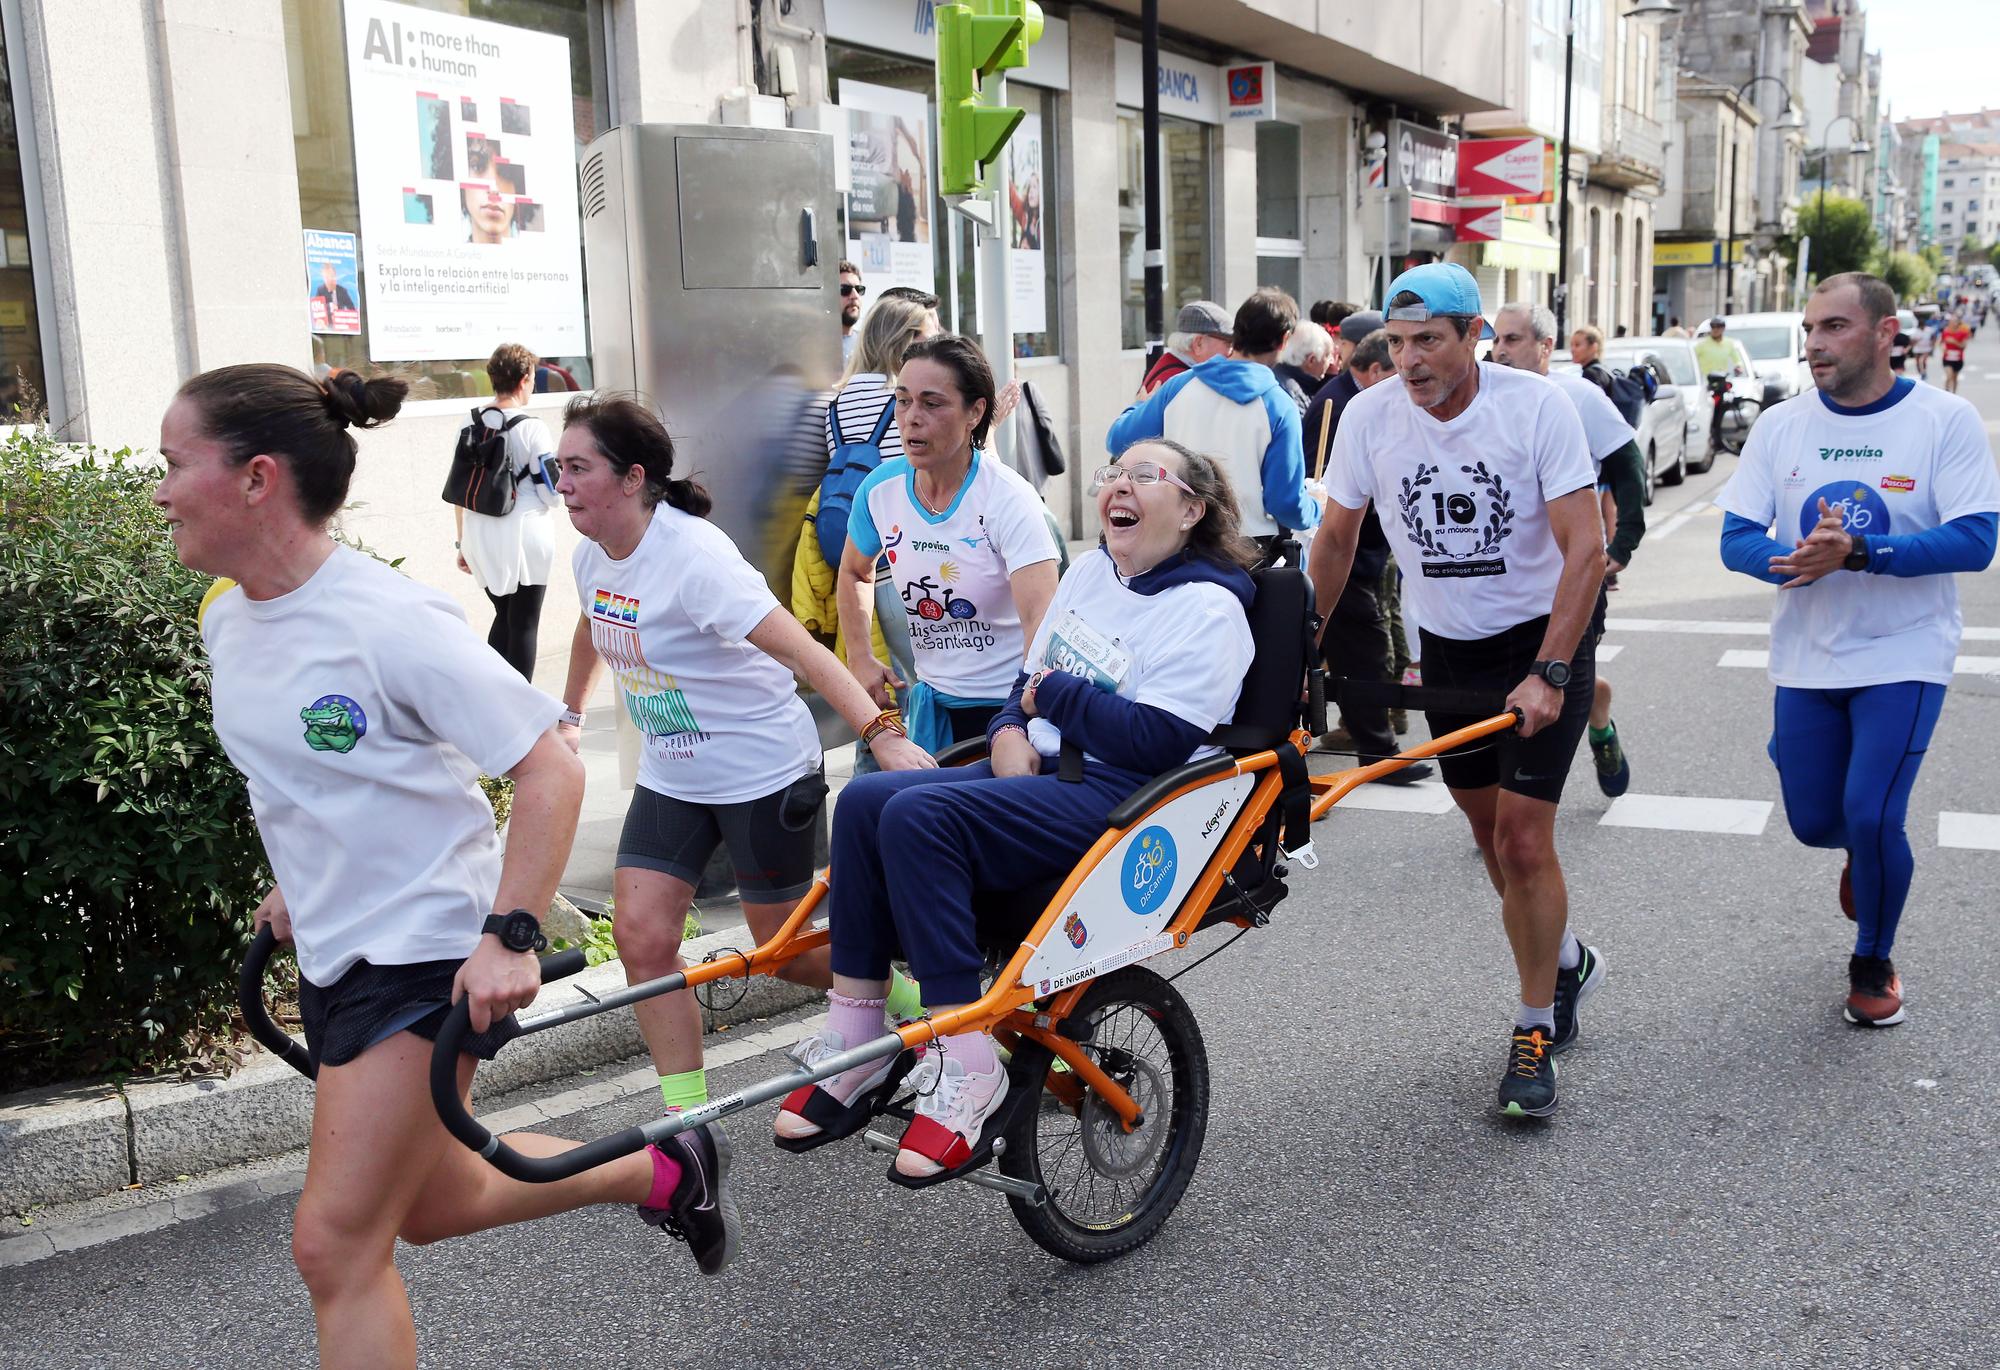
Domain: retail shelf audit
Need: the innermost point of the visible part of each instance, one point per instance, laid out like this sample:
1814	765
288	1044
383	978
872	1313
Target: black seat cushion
1281	627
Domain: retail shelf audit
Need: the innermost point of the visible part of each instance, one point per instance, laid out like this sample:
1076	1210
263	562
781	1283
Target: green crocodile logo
334	723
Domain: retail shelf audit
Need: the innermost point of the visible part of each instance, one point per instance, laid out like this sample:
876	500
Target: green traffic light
977	39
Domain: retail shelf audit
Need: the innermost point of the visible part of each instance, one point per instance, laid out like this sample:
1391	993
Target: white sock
1527	1016
1571	956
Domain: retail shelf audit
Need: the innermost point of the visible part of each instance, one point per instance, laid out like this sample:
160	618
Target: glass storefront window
1278	169
1184	218
23	374
956	251
323	139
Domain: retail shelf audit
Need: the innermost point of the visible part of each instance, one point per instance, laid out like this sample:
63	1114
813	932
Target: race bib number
1078	649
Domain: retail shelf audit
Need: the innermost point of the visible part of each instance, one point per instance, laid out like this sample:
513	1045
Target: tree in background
1971	252
1842	232
1908	274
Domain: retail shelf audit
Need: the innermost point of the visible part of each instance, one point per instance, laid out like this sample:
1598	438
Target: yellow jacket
813	591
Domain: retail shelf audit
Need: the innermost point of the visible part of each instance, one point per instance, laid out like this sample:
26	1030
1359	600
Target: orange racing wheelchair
1108	1094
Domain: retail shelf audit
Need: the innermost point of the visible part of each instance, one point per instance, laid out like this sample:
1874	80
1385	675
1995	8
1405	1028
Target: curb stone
62	1144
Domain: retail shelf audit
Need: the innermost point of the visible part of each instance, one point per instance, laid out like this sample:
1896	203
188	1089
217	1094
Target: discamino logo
1148	874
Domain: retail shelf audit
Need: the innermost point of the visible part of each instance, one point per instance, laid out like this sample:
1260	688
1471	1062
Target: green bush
129	862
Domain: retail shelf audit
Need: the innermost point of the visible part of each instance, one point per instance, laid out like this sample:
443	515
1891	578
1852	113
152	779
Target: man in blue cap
1487	492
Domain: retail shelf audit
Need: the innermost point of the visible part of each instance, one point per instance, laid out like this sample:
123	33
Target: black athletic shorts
1958	365
371	1004
1533	766
770	840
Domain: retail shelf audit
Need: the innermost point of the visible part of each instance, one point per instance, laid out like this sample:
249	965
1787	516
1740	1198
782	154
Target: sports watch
1856	560
1556	673
517	931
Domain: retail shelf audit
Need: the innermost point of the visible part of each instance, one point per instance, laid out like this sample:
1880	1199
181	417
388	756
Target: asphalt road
1736	1178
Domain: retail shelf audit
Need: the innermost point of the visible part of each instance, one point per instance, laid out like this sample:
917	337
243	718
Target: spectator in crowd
508	555
1201	333
1304	364
851	293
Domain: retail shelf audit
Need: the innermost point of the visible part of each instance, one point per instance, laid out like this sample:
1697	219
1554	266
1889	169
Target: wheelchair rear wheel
1110	1190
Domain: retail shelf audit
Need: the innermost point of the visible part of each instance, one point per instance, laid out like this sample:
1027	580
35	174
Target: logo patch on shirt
334	723
1861	510
615	608
1904	483
1850	454
1441	521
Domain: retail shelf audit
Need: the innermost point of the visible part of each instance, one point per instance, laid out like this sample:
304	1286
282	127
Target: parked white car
1777	345
1664	440
1672	360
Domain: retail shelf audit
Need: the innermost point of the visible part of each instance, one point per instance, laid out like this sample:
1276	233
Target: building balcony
1635	151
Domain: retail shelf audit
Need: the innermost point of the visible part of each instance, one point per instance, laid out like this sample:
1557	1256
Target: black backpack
1628	391
482	477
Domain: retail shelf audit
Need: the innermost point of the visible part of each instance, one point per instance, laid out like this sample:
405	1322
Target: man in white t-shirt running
1879	490
1525	337
1486	487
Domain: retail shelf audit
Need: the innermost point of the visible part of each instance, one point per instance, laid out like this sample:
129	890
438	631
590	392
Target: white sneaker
953	1106
808	1052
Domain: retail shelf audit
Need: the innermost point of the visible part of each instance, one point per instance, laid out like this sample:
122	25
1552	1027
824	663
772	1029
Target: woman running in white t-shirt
705	659
969	546
361	708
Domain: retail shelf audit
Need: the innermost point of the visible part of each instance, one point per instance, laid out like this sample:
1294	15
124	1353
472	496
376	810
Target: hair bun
363	403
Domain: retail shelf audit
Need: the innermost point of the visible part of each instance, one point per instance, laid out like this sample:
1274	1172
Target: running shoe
1573	986
1528	1089
702	1211
1407	775
1875	992
1614	772
953	1106
813	1114
1847	889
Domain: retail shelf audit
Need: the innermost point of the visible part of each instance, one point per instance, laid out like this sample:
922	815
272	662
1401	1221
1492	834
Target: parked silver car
1664	440
1672	360
1777	345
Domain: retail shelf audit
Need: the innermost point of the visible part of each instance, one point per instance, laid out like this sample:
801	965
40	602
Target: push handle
250	999
809	237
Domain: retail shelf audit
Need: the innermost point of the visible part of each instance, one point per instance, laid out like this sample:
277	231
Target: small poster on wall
465	166
889	229
333	292
1028	306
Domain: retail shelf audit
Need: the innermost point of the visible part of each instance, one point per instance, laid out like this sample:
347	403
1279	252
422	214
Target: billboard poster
465	167
333	292
889	229
1028	309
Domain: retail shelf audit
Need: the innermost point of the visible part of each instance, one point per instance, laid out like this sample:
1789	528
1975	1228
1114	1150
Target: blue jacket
1238	413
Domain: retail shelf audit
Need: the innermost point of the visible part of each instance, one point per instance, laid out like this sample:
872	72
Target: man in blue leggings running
1879	490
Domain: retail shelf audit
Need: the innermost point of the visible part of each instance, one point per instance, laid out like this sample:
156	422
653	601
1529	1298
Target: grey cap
1204	316
1355	327
1718	322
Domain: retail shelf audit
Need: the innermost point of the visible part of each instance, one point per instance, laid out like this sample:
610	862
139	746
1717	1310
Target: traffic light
976	39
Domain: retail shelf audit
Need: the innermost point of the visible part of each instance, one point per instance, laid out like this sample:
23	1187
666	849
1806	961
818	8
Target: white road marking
1668	526
1426	796
1610	653
1976	831
1686	813
1736	627
1965	665
1739	657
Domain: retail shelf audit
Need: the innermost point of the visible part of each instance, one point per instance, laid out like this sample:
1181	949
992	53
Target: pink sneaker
953	1106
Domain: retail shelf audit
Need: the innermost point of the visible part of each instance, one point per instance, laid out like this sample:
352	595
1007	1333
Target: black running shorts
371	1004
770	840
1533	766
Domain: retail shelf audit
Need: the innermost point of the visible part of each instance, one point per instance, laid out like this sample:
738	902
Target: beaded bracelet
888	721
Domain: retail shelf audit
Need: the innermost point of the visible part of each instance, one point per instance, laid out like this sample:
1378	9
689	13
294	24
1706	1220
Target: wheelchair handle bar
250	998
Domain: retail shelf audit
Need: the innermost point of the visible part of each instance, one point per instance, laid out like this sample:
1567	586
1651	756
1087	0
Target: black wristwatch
517	931
1856	560
1557	673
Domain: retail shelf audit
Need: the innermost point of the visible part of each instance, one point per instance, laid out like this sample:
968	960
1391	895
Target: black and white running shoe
702	1211
1572	988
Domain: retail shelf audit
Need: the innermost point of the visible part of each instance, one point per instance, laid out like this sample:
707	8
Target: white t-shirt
952	569
722	722
516	548
1185	649
1465	502
362	708
1921	462
1604	428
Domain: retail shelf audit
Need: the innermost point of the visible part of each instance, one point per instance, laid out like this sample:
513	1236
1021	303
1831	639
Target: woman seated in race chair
1141	654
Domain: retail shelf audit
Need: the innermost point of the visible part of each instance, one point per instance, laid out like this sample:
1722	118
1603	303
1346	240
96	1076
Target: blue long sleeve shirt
1966	543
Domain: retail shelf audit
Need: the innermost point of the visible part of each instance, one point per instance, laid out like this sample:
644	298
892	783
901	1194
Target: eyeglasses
847	289
1139	473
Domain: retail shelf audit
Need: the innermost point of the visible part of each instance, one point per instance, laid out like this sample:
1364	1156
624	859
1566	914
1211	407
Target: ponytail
628	433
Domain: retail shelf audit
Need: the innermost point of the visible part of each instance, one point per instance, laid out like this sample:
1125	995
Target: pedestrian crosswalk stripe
1610	653
1977	831
1965	665
1688	813
1426	796
1737	627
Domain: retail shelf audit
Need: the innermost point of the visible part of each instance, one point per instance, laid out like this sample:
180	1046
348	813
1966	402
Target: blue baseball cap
1444	288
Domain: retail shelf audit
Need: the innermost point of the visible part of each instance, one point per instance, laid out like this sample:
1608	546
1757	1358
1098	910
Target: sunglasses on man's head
847	289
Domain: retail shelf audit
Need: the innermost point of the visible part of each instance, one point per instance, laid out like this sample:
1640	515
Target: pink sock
973	1050
857	1021
666	1178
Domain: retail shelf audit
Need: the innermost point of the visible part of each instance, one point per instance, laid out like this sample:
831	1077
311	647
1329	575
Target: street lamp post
1854	149
1561	291
1790	123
